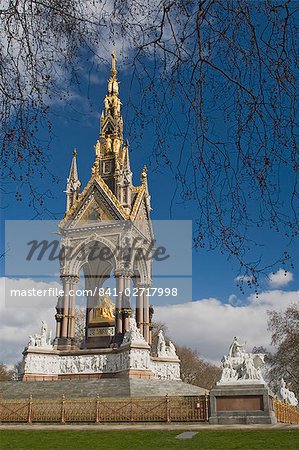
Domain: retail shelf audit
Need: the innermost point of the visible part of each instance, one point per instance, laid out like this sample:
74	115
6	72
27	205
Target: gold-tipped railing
96	410
285	413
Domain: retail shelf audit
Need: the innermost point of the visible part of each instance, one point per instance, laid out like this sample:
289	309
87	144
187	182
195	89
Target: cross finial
113	54
75	152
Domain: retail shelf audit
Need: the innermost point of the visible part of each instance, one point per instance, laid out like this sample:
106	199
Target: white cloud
232	299
243	279
235	301
280	278
209	325
22	316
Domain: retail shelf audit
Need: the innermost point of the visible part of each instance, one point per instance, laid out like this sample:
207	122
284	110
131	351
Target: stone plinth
241	404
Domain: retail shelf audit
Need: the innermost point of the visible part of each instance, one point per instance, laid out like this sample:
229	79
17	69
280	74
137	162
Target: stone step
91	388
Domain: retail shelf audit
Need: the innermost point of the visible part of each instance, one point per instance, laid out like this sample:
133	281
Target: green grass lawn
106	440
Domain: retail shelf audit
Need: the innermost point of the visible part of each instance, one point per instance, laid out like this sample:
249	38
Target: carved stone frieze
51	363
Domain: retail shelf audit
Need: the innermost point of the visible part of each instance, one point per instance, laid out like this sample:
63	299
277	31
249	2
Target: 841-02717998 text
134	292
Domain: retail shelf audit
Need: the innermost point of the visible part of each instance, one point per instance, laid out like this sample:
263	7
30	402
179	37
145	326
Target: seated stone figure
241	367
236	349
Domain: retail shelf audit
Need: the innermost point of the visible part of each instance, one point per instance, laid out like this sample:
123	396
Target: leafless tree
216	78
15	374
4	373
284	363
79	324
195	370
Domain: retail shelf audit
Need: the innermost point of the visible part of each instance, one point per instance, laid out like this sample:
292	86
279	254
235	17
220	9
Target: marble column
139	307
59	316
126	301
71	325
119	278
146	324
58	326
151	313
126	314
65	311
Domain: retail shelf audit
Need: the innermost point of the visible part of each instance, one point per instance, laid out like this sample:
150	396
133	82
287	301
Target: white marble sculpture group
164	350
241	367
133	335
287	395
43	339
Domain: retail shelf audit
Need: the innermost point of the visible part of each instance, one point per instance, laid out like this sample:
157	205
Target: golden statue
104	311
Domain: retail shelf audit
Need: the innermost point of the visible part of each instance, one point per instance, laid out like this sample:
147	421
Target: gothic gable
95	210
96	202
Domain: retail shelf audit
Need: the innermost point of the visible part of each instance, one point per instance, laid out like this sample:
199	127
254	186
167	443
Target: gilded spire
112	155
113	65
113	83
111	139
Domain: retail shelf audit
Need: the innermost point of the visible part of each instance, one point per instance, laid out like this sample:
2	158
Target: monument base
126	361
104	388
241	404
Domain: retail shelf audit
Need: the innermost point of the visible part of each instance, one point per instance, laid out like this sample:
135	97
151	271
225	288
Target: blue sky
76	125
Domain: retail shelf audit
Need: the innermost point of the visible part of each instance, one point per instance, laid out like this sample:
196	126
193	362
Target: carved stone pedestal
129	361
132	359
64	343
241	404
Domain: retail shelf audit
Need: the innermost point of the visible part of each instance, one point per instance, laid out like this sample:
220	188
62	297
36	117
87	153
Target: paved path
166	427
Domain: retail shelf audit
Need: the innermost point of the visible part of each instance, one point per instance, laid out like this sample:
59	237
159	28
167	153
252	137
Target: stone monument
241	395
106	232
